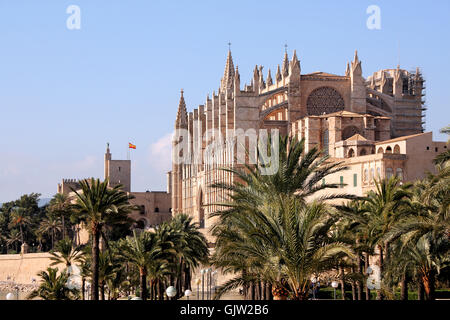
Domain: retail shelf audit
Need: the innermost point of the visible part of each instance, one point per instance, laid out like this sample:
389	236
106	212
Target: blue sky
65	93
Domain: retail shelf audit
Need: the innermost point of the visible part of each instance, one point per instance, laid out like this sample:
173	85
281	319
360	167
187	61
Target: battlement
66	186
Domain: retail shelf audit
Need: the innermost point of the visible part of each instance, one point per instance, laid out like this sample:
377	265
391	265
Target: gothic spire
181	121
285	65
356	65
347	70
278	76
269	79
228	74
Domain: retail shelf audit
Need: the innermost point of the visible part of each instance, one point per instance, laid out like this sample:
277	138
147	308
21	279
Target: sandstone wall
22	268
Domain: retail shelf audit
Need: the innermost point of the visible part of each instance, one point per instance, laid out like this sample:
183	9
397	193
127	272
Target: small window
119	169
428	148
436	149
342	181
389	173
142	210
399	173
355	180
156	209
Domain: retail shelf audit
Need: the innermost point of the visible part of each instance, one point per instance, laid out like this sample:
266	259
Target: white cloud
160	154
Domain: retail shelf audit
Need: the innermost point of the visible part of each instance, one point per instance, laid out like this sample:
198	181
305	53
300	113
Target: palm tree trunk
21	232
264	291
143	283
429	285
404	288
269	292
245	286
366	265
342	273
354	296
359	285
63	227
95	257
252	291
102	290
380	248
83	288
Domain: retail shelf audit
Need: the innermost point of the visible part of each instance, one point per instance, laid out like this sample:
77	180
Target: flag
131	146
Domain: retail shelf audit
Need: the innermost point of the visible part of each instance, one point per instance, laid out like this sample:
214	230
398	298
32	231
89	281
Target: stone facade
348	117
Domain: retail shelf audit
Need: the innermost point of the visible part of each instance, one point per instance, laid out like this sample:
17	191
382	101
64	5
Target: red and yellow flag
131	146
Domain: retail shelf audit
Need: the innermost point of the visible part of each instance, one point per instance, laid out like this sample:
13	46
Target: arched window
378	173
366	172
324	100
362	152
389	149
325	141
399	173
389	173
397	149
351	153
372	175
380	150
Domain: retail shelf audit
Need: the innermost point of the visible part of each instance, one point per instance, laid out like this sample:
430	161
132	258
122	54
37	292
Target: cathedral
374	126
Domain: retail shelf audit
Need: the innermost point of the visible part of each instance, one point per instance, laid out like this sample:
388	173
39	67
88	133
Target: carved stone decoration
324	100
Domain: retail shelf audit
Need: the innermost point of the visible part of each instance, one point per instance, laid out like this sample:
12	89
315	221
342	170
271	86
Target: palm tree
383	207
13	239
50	226
98	206
65	254
424	259
108	266
425	232
54	286
192	252
283	244
141	250
352	229
19	218
85	272
60	206
267	232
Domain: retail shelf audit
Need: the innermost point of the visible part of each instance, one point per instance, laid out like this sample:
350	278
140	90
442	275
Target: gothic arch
324	100
351	153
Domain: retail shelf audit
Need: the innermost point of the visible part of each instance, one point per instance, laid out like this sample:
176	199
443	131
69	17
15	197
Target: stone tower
117	171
